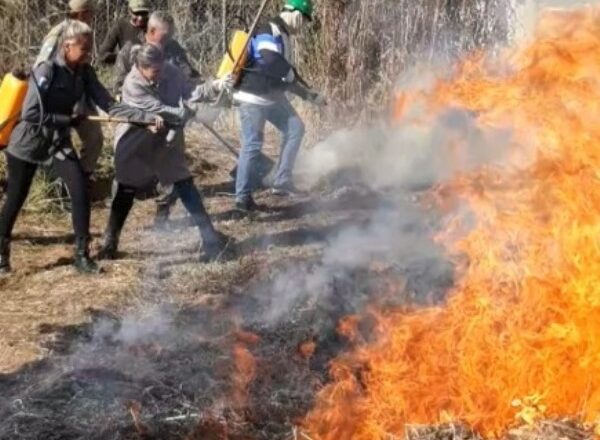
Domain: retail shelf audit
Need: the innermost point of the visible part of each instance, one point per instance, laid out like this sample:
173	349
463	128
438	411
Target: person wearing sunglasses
129	29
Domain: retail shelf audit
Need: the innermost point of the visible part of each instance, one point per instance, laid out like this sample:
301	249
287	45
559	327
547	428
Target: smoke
527	14
395	162
408	156
394	165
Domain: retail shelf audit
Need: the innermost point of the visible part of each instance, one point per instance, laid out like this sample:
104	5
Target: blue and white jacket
268	73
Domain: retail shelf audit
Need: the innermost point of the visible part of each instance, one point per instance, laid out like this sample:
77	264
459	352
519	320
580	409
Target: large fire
519	337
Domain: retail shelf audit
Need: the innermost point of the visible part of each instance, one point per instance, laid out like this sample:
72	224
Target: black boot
4	255
164	203
120	208
110	247
214	244
161	219
83	263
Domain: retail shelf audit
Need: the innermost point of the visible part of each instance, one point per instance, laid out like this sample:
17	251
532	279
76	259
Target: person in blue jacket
261	95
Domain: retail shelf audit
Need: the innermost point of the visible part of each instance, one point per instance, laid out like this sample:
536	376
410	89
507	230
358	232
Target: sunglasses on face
141	14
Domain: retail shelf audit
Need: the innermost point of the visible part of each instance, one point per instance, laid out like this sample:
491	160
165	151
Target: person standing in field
127	30
161	89
43	135
89	132
261	95
160	34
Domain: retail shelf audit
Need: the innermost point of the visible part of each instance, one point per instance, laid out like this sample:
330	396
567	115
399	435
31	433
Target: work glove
226	83
317	98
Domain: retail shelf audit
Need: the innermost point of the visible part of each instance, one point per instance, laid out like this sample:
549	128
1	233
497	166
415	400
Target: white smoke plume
409	155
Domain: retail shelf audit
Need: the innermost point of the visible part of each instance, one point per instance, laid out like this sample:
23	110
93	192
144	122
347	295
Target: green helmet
304	6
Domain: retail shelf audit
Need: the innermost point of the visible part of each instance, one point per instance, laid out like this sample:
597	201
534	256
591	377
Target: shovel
264	164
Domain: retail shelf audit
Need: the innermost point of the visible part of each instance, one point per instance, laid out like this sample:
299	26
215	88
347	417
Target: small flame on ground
307	349
243	374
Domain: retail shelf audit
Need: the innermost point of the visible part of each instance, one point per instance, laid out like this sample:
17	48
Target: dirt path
162	336
45	295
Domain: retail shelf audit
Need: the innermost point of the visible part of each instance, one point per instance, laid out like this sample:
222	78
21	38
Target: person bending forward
157	87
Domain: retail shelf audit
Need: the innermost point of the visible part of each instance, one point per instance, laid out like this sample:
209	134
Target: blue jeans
253	119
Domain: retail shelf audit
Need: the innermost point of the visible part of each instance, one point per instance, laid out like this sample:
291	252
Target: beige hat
140	5
82	5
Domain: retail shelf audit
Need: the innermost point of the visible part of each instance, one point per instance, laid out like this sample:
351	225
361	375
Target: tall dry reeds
354	47
364	45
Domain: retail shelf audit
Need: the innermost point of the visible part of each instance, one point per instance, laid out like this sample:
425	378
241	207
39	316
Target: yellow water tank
237	50
12	95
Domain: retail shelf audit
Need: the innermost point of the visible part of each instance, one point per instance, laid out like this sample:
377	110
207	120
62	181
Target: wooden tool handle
236	66
118	120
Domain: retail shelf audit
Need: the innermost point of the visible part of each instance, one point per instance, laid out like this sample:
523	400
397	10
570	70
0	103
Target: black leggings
20	176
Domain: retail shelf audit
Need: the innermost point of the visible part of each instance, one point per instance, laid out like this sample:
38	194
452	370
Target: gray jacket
141	155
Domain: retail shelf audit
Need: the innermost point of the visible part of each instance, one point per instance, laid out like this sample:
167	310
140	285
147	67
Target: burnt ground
162	347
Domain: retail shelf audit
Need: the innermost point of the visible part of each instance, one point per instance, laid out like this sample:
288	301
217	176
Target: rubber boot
83	263
164	203
110	247
161	219
214	244
4	255
120	208
112	235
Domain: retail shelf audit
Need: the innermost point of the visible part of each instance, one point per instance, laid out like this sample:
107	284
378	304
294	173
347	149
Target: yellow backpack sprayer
12	95
237	51
236	56
232	64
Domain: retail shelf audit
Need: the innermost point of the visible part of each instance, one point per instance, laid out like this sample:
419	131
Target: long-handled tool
237	65
264	164
119	120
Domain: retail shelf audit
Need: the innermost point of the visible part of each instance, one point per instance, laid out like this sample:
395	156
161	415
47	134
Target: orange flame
243	375
307	349
519	337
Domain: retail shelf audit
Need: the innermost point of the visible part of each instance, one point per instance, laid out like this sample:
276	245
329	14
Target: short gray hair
160	19
148	55
75	30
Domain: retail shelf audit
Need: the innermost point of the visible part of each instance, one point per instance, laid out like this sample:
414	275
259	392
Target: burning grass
239	350
517	341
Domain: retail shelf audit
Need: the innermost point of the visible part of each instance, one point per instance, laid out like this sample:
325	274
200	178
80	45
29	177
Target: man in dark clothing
43	135
159	33
129	29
